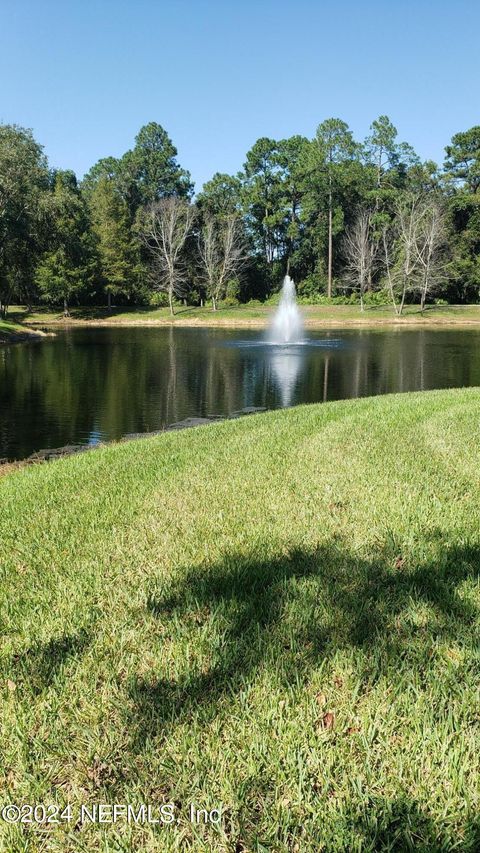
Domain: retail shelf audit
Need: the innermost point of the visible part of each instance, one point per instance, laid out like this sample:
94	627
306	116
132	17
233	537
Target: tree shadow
337	600
102	312
42	665
398	826
286	616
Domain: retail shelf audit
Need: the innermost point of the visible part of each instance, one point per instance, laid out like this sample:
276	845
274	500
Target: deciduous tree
222	252
163	227
359	251
23	181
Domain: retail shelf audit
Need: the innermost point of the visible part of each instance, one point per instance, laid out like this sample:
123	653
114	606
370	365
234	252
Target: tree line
357	221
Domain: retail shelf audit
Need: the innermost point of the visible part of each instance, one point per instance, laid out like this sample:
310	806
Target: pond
88	385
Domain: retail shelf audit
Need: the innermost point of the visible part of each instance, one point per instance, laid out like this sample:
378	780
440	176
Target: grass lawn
279	614
316	316
10	331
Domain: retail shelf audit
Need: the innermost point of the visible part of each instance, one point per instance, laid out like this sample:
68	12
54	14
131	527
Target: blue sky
86	74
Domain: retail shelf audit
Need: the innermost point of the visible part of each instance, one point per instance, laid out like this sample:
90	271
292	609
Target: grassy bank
279	614
12	331
247	316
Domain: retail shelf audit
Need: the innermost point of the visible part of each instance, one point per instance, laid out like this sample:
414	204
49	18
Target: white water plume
287	325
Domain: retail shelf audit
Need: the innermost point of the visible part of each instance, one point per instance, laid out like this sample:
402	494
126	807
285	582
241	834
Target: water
94	384
287	324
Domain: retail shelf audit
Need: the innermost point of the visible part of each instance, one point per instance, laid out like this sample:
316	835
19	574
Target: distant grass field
256	316
279	614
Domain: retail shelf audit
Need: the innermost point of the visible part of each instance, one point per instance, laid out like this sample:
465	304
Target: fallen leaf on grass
328	720
11	685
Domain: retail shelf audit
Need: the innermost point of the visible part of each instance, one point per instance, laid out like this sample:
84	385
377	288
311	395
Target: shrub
158	299
233	291
376	297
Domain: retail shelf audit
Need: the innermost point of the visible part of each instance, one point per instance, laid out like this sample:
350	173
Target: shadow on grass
398	826
330	600
99	312
42	664
102	312
285	616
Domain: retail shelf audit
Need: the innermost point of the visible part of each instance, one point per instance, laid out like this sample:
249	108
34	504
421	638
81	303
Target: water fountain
287	324
285	348
286	333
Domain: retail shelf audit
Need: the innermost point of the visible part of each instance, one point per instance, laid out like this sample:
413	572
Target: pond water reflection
94	384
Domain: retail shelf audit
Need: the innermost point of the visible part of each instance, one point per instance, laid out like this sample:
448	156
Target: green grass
179	615
10	330
316	316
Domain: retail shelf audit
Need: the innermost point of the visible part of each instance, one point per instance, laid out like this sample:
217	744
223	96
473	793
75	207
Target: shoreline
314	324
52	454
42	320
42	326
27	334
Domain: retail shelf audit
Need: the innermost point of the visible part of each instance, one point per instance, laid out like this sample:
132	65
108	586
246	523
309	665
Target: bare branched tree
430	244
222	253
413	245
408	216
163	227
388	256
360	251
209	251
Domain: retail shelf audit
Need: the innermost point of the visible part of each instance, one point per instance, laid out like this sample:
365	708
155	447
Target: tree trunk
389	274
330	243
66	312
109	300
214	304
170	301
325	379
5	304
369	281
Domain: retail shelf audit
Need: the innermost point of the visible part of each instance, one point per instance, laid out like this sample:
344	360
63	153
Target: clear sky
86	74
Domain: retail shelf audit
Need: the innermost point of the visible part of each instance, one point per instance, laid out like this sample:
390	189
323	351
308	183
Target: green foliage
311	286
297	199
463	159
233	291
65	269
151	168
464	266
116	251
158	299
221	196
23	180
376	297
